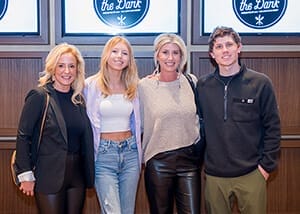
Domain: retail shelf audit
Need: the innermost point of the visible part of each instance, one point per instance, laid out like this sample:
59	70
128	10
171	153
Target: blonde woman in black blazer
58	171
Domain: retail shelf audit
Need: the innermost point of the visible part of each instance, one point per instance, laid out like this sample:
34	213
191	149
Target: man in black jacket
242	128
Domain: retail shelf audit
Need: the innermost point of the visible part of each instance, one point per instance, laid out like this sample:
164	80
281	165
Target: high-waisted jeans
117	175
174	175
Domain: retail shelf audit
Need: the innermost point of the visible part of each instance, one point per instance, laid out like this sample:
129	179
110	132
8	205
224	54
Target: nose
67	69
224	48
119	54
170	56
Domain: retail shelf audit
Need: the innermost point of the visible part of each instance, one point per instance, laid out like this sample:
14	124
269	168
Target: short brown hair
222	31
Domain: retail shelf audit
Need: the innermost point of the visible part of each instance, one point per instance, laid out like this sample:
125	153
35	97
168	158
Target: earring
156	70
178	77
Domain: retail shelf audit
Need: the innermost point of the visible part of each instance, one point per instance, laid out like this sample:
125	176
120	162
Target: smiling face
169	57
225	51
65	72
119	58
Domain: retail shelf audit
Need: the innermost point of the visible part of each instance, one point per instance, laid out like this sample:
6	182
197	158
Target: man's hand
263	172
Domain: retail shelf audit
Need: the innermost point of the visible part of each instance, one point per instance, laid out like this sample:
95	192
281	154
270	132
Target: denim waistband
120	144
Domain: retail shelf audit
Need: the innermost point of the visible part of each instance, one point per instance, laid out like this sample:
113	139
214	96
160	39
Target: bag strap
196	96
199	111
43	120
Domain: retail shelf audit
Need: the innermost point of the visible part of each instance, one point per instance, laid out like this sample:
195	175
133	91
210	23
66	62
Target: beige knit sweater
168	112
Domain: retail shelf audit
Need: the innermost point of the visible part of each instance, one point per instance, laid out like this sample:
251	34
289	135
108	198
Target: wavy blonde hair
51	63
129	75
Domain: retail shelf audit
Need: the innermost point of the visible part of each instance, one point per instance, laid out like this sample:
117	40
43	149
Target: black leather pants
70	199
174	175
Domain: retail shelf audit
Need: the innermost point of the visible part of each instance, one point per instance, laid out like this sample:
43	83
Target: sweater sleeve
141	104
92	96
271	125
28	129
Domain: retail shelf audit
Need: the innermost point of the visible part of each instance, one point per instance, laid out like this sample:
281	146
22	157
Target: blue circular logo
259	14
121	14
3	8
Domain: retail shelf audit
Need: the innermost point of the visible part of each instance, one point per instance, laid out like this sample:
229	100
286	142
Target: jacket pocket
245	109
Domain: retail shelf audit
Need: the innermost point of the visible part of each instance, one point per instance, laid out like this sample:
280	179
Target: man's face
225	51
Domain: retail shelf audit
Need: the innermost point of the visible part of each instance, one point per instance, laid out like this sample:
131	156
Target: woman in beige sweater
170	130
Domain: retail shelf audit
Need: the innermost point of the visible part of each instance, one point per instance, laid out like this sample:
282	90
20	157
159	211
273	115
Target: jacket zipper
225	102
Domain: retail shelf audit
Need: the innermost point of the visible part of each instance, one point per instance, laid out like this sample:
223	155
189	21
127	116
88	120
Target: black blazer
48	163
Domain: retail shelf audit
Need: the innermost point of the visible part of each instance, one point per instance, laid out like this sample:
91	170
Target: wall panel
19	73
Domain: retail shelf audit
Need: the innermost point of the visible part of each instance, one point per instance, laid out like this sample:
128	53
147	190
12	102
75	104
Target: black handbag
13	166
200	145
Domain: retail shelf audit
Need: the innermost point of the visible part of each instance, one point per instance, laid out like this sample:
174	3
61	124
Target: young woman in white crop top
113	108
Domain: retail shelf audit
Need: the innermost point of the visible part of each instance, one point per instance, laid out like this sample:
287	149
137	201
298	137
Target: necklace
177	79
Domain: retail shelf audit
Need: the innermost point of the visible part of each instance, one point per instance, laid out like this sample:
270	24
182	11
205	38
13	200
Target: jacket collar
242	70
54	102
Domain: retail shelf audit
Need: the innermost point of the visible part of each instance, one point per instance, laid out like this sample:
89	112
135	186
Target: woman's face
119	58
169	57
65	72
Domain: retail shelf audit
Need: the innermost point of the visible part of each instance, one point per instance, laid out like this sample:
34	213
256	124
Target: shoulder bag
13	167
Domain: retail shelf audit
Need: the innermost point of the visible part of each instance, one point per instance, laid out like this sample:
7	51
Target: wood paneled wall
19	72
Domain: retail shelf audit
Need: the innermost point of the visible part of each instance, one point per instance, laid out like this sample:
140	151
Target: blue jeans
117	176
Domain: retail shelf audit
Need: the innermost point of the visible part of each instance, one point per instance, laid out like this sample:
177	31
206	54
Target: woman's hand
27	187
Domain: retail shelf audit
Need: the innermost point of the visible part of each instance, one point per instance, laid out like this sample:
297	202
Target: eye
218	46
229	44
60	65
72	66
176	52
125	53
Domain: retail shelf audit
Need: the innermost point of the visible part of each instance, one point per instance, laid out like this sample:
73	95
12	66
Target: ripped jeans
117	176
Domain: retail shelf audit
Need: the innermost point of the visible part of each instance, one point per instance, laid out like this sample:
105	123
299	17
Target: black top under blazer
49	164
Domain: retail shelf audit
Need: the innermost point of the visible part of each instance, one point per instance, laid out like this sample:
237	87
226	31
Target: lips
170	63
67	77
226	57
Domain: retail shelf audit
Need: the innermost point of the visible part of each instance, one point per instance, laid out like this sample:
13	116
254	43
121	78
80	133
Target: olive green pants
248	190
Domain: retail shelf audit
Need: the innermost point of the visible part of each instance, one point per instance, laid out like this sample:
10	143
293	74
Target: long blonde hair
129	75
51	63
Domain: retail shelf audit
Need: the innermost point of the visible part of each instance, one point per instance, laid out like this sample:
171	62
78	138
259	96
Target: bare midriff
116	136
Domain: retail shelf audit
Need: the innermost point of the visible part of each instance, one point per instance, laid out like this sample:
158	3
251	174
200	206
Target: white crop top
115	111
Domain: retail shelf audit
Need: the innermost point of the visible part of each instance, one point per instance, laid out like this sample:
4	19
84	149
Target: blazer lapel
58	114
